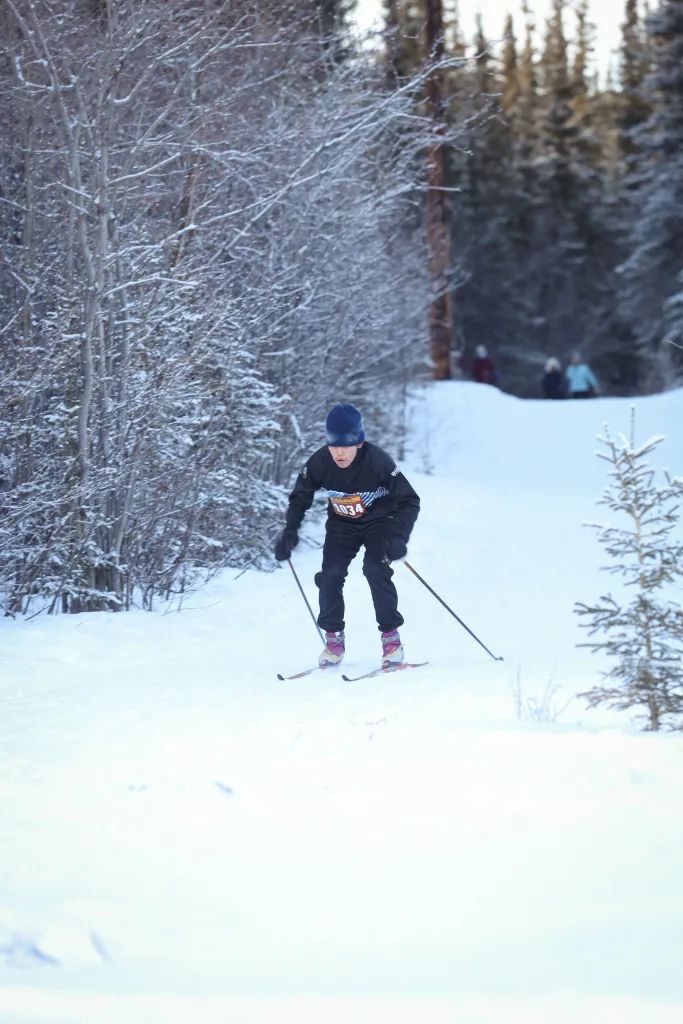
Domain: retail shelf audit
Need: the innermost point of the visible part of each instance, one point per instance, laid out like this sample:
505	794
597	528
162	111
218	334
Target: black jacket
554	384
371	488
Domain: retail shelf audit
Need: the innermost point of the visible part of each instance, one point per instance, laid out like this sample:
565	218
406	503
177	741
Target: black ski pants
343	541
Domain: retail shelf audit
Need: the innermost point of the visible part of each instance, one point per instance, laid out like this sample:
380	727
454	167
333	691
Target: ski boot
392	649
334	649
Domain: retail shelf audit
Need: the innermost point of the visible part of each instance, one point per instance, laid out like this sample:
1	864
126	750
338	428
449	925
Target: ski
306	672
386	670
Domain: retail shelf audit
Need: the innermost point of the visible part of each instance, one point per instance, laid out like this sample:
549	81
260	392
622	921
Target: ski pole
434	593
289	563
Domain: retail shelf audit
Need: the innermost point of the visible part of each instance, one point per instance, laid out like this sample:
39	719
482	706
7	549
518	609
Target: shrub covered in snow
201	237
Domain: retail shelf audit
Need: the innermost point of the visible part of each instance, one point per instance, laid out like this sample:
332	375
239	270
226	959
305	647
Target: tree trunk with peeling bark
438	220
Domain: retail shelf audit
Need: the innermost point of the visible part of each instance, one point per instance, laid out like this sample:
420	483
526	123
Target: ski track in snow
185	835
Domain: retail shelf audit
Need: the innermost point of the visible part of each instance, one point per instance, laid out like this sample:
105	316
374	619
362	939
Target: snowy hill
184	836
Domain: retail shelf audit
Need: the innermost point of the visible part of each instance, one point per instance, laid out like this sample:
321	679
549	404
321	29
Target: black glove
285	542
396	549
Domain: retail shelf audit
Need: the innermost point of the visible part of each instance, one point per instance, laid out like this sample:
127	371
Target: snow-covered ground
182	836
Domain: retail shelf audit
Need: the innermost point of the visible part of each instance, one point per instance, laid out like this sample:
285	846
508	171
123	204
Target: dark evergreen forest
568	190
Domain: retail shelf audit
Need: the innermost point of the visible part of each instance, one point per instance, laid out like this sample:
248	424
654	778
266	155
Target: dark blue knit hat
344	427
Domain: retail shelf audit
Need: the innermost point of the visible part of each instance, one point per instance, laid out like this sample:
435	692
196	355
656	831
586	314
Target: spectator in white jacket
581	381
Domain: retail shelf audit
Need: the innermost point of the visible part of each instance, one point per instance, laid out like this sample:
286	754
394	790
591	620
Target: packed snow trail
184	834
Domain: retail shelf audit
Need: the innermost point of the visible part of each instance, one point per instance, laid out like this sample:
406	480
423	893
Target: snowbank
184	835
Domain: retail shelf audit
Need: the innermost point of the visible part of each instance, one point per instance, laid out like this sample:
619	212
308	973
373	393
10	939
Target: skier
581	381
370	503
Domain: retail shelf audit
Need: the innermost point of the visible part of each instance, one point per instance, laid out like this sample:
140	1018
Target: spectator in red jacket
483	370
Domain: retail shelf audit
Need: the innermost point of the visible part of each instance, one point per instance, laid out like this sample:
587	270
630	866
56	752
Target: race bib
351	506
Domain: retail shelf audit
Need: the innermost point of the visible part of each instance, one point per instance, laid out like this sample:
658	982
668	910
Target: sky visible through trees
495	12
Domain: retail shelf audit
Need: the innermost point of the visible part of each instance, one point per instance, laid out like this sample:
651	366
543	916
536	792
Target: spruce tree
634	65
672	355
558	131
509	70
333	15
456	77
491	223
561	252
582	82
455	43
645	636
482	68
583	48
331	19
595	109
574	237
403	20
651	277
526	122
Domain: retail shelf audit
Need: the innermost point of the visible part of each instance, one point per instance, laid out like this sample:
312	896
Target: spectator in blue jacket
581	381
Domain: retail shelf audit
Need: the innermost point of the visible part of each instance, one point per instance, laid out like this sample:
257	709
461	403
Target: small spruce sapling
646	635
